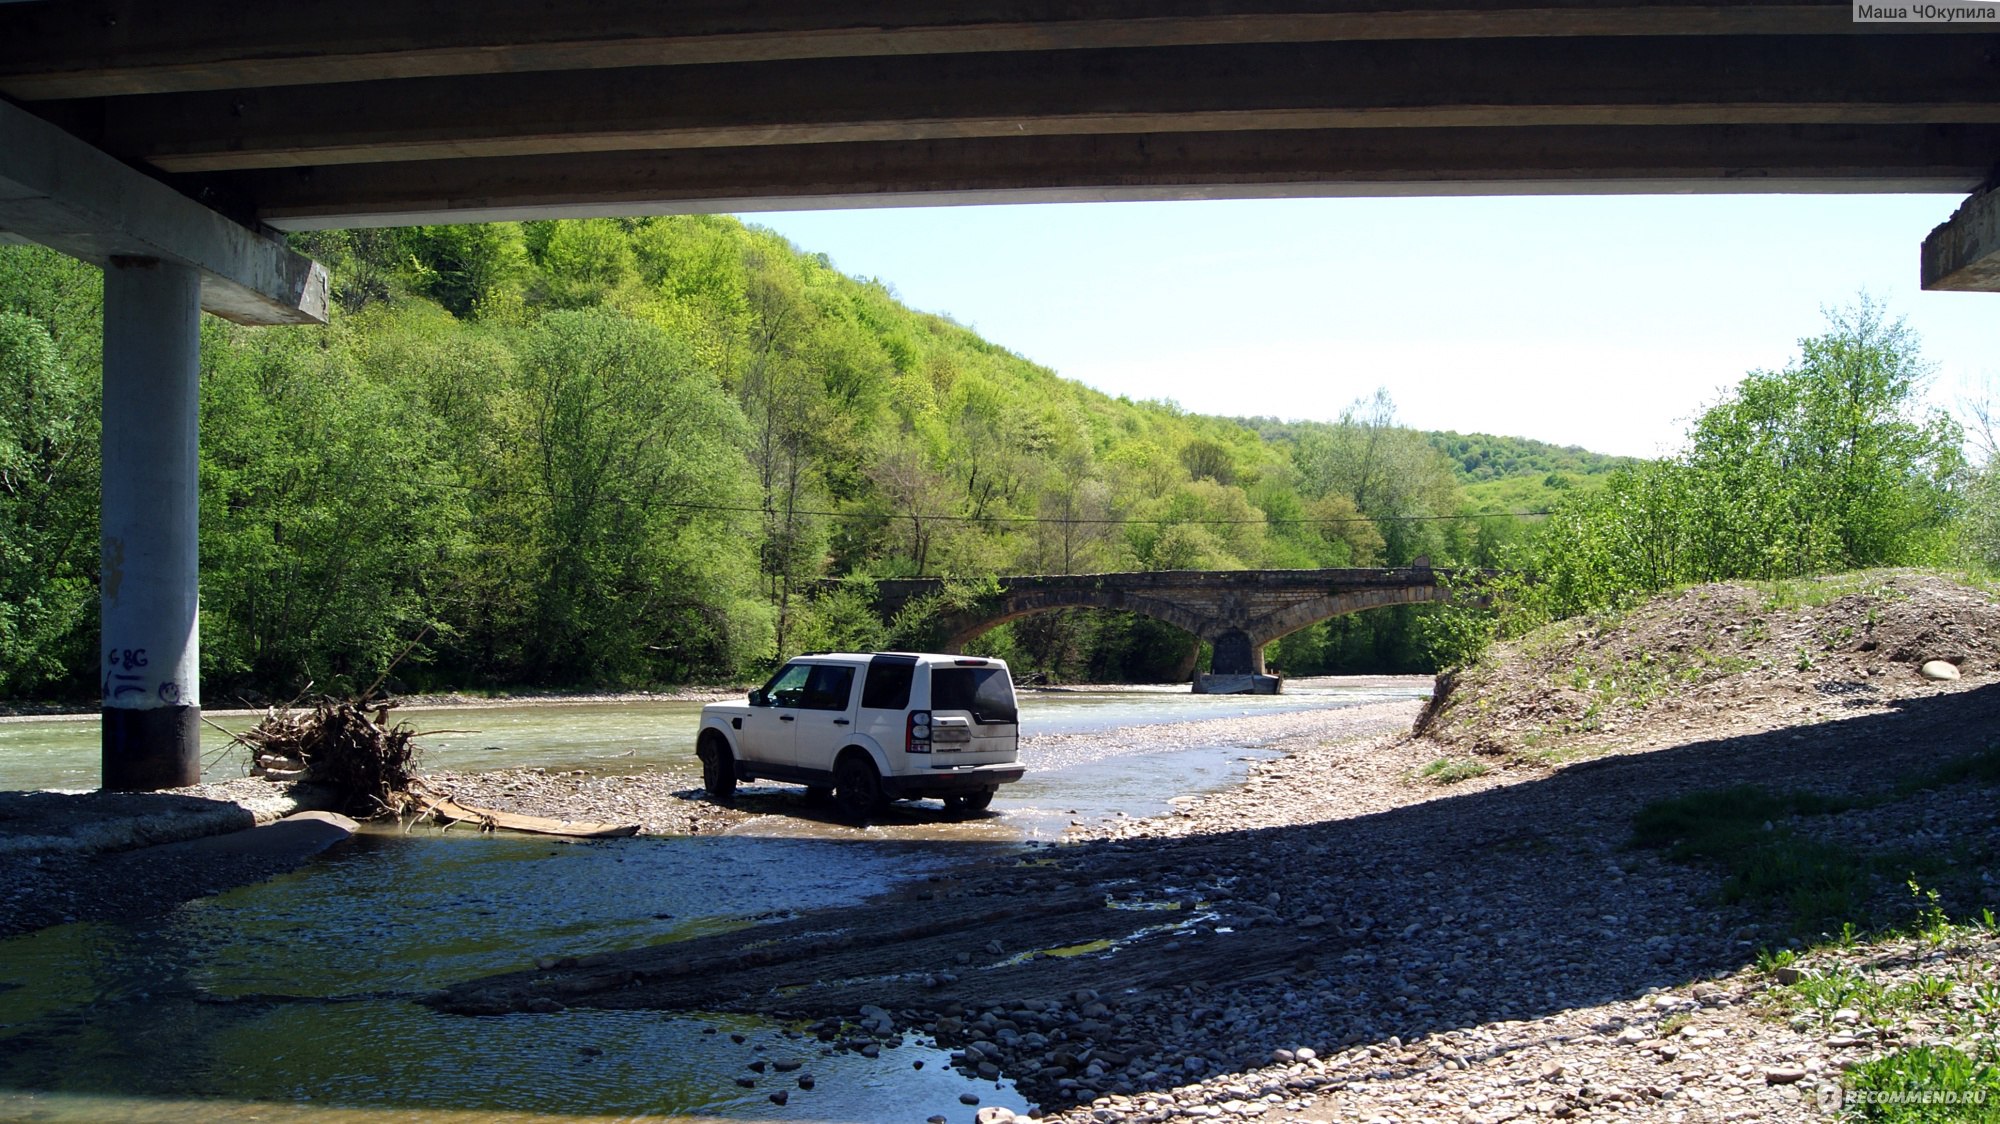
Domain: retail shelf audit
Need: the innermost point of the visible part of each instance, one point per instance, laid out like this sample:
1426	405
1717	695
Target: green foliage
1394	475
632	450
48	442
50	356
1763	843
629	448
1484	457
1925	1085
470	270
1451	770
314	507
1830	464
841	619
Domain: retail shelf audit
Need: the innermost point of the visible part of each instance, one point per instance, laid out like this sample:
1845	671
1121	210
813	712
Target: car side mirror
758	697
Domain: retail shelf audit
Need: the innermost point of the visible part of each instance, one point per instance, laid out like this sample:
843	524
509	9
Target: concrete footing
151	749
1237	685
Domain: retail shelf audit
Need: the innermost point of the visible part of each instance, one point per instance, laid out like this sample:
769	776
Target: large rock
1941	670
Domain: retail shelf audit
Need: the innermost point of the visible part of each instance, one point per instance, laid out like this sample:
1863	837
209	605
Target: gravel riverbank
1343	938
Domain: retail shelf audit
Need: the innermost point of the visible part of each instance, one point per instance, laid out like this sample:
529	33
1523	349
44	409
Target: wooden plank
1827	80
1173	166
451	812
89	48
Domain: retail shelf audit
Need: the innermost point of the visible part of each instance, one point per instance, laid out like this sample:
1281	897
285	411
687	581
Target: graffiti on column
125	674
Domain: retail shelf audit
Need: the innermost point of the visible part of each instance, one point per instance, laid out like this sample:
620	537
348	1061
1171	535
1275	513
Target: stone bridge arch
962	628
1237	612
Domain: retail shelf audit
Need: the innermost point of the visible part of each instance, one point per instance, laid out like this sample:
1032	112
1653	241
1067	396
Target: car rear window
984	691
888	685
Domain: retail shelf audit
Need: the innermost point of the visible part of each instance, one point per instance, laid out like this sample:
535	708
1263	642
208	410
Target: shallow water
294	997
627	737
299	991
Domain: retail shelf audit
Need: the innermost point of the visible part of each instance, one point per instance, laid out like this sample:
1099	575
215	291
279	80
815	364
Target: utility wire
1114	521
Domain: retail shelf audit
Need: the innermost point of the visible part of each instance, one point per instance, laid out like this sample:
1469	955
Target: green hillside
608	452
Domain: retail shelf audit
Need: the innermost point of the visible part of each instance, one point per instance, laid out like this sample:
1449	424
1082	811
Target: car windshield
984	691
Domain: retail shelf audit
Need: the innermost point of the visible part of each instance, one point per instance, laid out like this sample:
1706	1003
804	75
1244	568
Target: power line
1112	521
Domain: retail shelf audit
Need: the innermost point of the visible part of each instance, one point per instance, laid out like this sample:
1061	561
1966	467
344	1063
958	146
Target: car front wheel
718	770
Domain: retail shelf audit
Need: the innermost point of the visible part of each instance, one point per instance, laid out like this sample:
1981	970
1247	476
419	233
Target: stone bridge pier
1237	612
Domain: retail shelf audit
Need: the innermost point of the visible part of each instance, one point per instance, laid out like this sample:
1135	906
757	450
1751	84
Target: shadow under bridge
1237	612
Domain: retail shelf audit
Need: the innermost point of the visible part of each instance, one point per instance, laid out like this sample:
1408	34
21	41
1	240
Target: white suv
866	729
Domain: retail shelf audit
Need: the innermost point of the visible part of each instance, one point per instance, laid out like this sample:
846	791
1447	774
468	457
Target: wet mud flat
1334	939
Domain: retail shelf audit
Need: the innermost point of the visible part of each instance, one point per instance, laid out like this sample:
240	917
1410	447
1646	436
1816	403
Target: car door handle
840	721
784	718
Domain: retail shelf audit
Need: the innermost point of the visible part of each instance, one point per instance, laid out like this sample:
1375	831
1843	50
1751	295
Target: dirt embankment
1343	937
1717	660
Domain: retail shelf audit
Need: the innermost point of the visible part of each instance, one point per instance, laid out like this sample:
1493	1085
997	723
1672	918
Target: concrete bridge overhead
171	141
1237	612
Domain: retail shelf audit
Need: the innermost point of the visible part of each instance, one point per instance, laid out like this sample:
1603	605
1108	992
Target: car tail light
917	736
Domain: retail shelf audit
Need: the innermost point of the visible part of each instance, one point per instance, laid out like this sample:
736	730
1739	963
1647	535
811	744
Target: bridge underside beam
62	193
64	51
1296	163
1964	253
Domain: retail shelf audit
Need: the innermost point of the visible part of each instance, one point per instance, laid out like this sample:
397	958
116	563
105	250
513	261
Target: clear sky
1602	321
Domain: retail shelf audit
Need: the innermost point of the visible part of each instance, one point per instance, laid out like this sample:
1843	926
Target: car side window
888	685
788	686
829	687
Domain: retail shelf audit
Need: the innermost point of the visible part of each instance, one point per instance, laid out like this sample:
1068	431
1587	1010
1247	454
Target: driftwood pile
370	766
340	746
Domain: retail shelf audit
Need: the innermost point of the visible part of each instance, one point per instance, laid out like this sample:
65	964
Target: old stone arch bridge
1238	612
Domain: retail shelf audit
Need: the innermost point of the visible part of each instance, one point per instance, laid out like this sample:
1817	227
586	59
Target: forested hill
1477	457
621	451
1483	456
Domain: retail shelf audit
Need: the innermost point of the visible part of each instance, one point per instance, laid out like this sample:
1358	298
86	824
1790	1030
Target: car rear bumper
951	782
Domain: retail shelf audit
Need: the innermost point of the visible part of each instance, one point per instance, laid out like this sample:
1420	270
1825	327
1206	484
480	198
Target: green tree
471	269
1393	475
632	453
48	523
325	547
1831	463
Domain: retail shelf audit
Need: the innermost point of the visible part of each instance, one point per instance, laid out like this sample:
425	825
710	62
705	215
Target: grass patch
1924	1085
1802	593
1978	768
1450	770
1751	834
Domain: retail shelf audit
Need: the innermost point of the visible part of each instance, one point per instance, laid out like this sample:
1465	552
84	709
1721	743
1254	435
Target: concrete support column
150	650
1236	653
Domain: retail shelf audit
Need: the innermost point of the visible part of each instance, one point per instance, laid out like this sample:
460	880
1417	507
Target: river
292	998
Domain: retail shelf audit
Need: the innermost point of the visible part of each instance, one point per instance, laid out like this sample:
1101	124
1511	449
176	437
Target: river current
294	997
